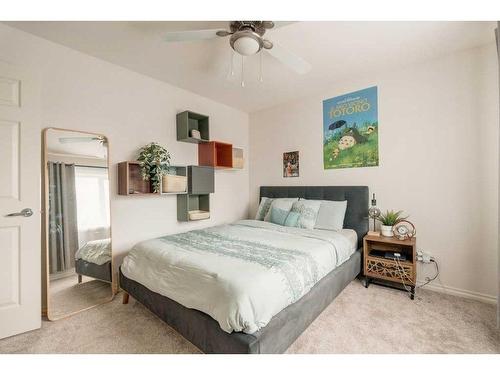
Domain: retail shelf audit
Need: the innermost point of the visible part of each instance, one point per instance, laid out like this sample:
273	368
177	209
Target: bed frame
101	272
285	327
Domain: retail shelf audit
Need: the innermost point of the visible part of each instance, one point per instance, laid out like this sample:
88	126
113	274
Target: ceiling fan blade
78	139
294	62
278	24
190	35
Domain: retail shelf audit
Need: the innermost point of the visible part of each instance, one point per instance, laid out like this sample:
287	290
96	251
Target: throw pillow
308	210
331	215
292	220
278	216
281	203
265	204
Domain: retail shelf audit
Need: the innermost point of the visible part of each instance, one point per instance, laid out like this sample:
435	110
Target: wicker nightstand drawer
388	270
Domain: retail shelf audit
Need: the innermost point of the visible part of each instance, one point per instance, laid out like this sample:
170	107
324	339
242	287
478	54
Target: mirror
78	254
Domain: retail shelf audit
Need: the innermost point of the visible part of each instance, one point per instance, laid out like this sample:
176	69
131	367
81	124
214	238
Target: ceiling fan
81	139
246	38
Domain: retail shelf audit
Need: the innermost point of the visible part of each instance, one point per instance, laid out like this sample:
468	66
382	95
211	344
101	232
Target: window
92	198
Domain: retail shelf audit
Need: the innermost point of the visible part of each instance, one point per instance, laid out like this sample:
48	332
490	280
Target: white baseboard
461	293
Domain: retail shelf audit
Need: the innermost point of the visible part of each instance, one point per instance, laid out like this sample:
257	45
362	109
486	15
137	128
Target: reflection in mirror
78	223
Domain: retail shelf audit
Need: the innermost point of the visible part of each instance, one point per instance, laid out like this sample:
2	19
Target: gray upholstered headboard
356	216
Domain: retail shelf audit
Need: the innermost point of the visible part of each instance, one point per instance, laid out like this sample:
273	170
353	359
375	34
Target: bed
258	320
93	259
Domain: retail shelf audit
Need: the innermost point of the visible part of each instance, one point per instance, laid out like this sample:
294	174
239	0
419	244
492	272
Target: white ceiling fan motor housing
246	42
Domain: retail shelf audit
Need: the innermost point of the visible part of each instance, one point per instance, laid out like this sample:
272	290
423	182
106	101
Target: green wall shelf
195	204
191	202
201	180
187	121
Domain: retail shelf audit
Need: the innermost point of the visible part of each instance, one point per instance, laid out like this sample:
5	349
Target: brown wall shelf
130	181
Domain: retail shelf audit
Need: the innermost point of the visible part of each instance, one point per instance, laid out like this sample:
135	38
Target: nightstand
380	265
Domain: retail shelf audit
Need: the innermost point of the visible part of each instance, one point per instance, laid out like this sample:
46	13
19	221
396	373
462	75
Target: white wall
438	158
83	93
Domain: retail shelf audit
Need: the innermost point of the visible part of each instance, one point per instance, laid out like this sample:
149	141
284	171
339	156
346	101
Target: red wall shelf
215	154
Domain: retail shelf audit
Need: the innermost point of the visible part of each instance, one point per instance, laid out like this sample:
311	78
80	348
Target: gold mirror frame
45	233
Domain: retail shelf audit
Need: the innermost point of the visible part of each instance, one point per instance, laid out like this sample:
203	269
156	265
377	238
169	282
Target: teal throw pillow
292	220
278	216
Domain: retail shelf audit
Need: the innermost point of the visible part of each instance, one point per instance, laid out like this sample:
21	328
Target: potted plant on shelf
388	220
154	161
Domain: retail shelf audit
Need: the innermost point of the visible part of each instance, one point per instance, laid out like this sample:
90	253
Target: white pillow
308	210
331	215
282	204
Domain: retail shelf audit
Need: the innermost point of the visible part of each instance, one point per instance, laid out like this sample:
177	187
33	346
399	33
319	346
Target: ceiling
336	50
75	144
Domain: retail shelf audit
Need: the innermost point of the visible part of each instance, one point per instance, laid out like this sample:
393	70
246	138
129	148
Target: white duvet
240	274
97	251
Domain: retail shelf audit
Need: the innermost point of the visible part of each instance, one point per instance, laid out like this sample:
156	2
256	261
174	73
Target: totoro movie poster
350	130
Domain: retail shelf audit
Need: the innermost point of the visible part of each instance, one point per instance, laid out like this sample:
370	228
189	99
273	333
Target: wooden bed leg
79	279
125	298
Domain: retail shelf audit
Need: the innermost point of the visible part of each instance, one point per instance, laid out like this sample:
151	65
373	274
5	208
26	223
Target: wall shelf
238	160
191	202
201	180
215	154
187	121
130	180
200	185
176	171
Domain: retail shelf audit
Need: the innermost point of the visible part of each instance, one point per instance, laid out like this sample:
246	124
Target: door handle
27	212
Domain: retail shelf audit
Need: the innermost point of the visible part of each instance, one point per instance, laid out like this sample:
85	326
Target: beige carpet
68	296
373	320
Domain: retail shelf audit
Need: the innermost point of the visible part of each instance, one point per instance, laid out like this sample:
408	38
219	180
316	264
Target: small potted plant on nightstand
388	220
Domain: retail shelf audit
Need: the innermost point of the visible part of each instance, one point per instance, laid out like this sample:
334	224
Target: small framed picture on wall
291	164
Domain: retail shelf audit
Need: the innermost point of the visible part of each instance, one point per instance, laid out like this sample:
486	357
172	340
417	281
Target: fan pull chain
232	63
242	71
261	78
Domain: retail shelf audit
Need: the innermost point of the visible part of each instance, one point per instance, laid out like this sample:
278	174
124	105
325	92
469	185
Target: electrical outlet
423	256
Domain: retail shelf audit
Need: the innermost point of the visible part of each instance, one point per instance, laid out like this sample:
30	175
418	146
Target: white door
20	254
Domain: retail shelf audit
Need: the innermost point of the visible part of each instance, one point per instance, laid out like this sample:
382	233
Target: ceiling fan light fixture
246	46
246	43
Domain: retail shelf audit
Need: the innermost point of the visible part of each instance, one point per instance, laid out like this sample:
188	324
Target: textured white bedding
240	274
351	236
97	251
